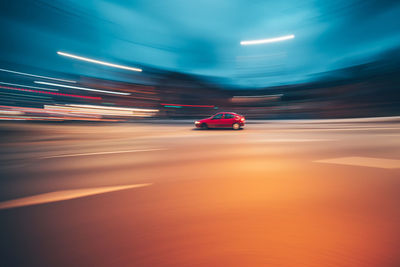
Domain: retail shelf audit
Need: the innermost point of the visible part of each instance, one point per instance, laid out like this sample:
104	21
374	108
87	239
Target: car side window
229	116
218	116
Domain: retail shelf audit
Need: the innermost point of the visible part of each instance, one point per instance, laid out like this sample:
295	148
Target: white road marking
63	195
102	153
364	162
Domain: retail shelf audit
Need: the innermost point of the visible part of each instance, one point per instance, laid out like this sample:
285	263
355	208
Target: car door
215	121
227	120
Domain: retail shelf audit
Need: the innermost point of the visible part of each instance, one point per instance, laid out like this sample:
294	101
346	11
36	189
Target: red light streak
50	93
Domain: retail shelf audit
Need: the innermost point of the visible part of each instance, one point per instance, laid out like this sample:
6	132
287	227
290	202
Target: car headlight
197	122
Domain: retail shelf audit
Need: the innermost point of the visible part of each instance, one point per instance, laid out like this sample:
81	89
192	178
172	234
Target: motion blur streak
257	96
365	162
115	108
266	41
101	153
50	93
98	62
30	113
37	76
63	195
83	88
102	110
181	105
256	99
28	86
168	106
73	112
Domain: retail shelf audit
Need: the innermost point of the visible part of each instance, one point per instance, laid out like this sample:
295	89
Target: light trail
167	106
98	62
34	87
101	110
63	195
114	108
50	93
37	76
266	41
364	162
82	88
102	153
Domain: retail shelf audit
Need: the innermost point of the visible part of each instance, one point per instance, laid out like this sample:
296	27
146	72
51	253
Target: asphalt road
294	193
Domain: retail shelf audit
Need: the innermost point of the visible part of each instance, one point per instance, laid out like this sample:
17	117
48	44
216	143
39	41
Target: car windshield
218	116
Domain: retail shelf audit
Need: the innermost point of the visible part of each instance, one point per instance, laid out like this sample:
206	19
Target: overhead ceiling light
35	87
98	62
38	76
266	41
83	88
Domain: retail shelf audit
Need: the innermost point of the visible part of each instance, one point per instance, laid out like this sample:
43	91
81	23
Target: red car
222	120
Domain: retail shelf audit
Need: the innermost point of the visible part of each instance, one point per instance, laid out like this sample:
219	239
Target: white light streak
114	108
104	111
82	88
38	76
98	62
34	87
102	153
266	41
63	195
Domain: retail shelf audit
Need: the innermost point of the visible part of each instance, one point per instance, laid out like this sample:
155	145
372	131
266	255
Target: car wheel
204	126
235	126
